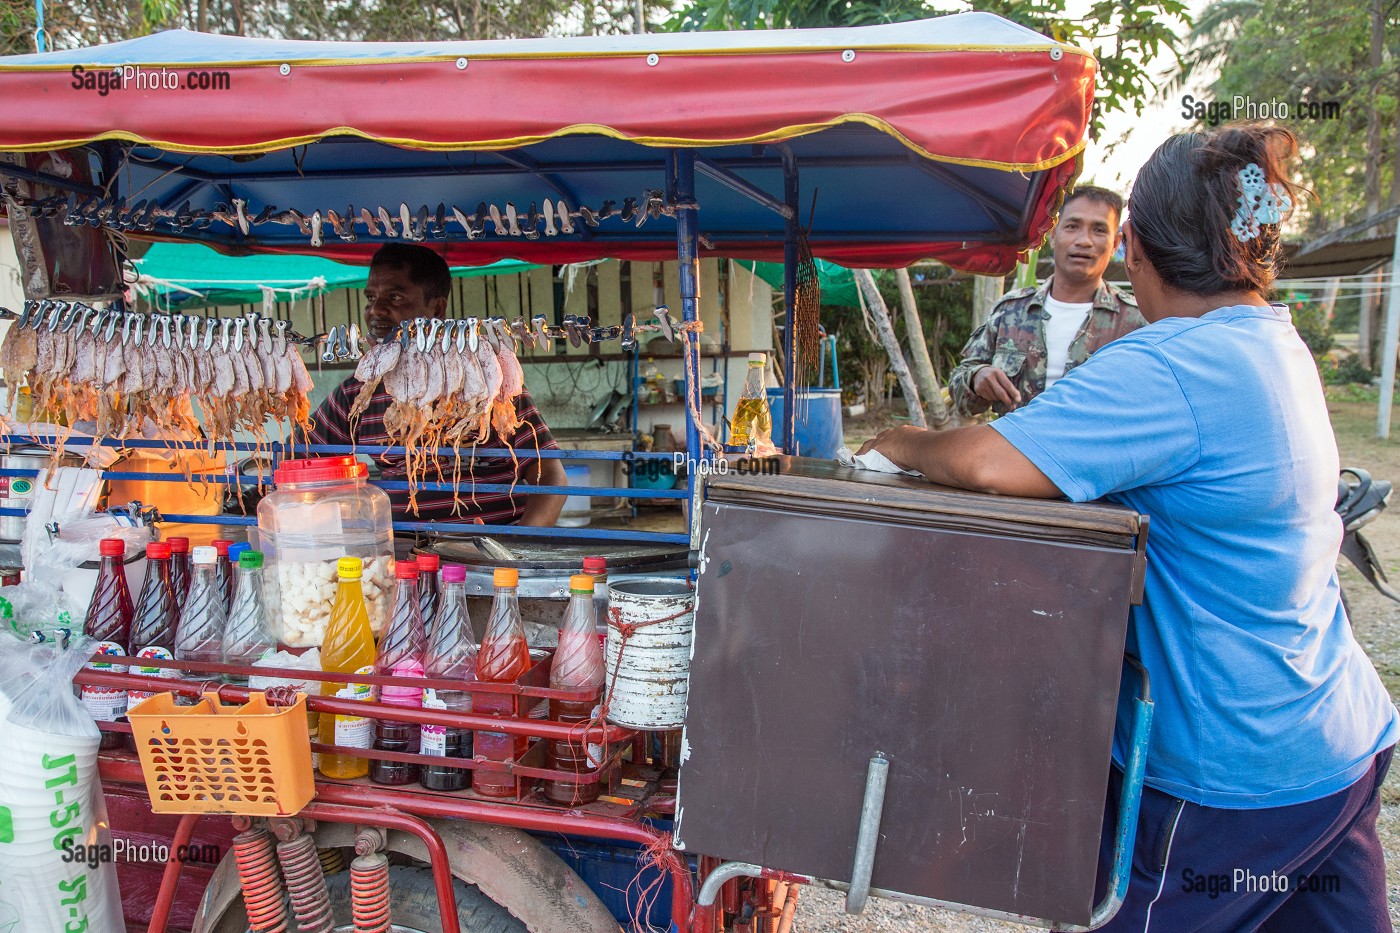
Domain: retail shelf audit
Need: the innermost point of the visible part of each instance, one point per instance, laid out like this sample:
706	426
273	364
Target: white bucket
575	513
651	683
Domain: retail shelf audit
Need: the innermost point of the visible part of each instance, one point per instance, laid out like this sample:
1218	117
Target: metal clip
629	339
462	328
541	327
532	222
388	223
280	346
473	333
449	328
139	330
352	342
210	325
316	223
518	331
492	336
165	330
111	327
406	222
566	222
328	353
571	329
434	328
549	228
663	317
585	329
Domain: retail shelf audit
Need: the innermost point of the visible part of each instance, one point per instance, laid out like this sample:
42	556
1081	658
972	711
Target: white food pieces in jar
308	593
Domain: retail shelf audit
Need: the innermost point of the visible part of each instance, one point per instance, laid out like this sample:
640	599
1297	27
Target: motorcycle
1360	501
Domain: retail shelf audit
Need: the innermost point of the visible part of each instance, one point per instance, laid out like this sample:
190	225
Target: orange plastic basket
252	759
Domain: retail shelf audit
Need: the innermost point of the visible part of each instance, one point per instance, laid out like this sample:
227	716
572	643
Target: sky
1160	119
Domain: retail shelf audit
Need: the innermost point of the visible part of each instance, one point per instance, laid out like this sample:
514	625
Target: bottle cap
204	555
158	550
179	546
319	470
350	568
506	576
595	565
250	560
758	358
111	547
221	546
406	570
454	573
429	563
581	583
238	550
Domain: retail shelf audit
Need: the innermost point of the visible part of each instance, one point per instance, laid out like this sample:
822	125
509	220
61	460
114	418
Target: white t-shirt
1060	329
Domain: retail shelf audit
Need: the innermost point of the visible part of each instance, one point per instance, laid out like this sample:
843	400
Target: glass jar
321	511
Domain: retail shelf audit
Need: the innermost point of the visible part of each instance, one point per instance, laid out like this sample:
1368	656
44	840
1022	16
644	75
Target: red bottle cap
429	563
406	570
319	470
178	546
160	550
454	573
595	565
111	547
221	546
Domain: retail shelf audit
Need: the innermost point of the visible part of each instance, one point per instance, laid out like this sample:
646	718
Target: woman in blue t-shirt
1272	731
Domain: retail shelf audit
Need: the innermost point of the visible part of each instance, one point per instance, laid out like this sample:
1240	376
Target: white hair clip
1260	203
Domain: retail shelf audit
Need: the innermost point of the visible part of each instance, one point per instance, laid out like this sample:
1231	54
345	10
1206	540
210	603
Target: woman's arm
976	458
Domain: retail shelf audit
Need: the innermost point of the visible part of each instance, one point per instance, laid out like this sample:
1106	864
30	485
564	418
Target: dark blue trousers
1313	867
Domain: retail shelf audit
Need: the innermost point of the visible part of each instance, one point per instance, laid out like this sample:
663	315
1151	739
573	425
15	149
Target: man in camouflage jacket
1003	363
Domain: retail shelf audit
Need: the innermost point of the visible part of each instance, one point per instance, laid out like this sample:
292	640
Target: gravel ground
1377	624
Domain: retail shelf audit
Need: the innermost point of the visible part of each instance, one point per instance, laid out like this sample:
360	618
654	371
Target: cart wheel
414	902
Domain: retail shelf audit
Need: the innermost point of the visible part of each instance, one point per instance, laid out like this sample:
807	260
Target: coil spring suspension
332	861
369	893
306	883
264	898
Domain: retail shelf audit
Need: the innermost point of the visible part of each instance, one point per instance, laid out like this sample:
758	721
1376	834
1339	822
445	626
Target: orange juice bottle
348	648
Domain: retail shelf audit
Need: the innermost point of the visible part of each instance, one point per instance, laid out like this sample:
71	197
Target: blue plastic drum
819	432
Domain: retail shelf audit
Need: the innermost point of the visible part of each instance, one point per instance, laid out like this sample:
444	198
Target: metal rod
791	230
170	878
876	778
688	258
749	190
368	450
1001	212
53	181
438	859
1392	338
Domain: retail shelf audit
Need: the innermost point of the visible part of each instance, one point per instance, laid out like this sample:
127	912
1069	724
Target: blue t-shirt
1216	427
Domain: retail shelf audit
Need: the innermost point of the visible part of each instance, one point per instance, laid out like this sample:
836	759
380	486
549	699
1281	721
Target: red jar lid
221	546
595	565
179	546
319	470
111	547
406	570
158	550
429	563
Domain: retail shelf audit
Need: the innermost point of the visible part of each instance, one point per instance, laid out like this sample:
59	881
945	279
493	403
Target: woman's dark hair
425	268
1185	198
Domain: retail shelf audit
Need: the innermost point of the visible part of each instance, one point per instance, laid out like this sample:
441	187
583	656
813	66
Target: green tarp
838	284
190	274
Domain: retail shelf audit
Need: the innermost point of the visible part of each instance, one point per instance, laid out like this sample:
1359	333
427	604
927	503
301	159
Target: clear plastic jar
321	511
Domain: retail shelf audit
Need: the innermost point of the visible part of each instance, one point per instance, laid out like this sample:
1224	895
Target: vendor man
406	282
1035	335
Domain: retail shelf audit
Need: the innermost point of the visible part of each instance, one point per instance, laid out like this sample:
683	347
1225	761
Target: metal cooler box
974	641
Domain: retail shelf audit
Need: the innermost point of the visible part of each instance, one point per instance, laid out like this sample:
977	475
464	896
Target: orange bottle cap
581	583
506	576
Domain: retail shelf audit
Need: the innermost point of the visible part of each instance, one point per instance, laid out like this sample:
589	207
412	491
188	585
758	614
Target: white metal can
652	679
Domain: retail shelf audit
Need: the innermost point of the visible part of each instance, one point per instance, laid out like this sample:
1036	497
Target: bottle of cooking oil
752	421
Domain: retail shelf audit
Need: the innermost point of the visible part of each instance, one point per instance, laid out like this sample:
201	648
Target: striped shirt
331	425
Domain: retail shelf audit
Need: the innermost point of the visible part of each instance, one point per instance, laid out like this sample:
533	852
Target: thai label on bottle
355	731
108	648
433	739
102	704
155	653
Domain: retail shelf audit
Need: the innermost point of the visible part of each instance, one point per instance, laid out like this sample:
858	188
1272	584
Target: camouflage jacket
1013	340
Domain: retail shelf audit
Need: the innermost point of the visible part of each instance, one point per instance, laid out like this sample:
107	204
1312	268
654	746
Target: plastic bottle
400	655
108	621
578	665
200	634
348	648
597	568
503	657
157	615
451	655
752	422
180	569
223	570
429	593
248	636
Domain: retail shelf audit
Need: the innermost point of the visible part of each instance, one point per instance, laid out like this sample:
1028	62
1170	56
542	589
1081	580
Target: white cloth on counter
871	460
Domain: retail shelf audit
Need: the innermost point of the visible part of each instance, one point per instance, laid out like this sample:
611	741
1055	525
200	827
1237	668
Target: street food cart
976	642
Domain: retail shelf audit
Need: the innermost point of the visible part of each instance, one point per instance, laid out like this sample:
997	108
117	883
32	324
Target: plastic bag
307	661
53	824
